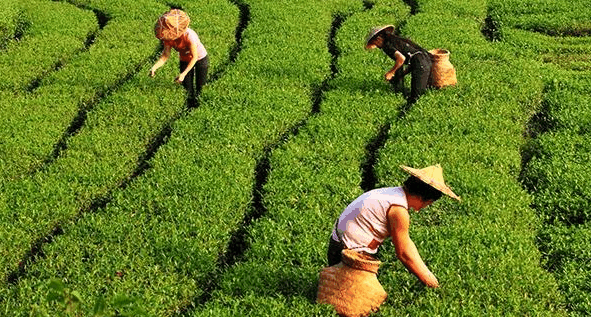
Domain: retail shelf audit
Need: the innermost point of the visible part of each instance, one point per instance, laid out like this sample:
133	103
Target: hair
416	187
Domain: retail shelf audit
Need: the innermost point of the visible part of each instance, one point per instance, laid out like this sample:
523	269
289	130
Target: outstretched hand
388	76
179	79
431	281
152	73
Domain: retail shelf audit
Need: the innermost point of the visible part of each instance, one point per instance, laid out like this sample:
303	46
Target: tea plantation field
116	199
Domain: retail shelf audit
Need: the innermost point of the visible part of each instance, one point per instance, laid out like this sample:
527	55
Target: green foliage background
118	200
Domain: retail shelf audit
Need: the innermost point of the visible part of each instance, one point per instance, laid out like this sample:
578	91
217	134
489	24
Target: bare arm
194	60
406	251
163	58
399	58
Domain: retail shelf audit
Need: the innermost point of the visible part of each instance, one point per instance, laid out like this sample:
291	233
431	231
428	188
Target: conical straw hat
171	25
432	175
375	31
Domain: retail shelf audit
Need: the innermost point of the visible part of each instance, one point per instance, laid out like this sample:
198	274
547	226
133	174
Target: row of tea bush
482	250
118	134
555	159
55	32
159	238
557	176
9	22
234	213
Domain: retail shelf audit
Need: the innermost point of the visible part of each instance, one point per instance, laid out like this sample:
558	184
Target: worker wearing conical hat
172	28
384	212
403	52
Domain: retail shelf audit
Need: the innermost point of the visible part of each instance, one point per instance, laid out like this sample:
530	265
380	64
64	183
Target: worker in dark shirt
403	52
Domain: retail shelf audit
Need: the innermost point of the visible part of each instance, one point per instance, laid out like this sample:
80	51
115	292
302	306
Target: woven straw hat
375	31
432	175
171	25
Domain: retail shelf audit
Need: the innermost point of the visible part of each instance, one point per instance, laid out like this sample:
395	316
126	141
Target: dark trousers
420	70
334	251
195	79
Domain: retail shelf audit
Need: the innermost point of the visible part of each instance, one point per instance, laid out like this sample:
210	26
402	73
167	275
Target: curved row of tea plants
55	109
483	249
557	168
473	129
56	31
559	17
556	159
118	135
569	52
312	177
159	240
9	22
557	175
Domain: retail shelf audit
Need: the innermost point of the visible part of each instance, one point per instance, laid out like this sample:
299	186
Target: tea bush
568	45
56	32
174	222
549	17
117	136
9	20
63	97
225	210
567	256
556	157
557	175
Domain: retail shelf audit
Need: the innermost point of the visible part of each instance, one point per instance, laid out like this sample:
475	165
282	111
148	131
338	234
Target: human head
171	25
416	187
375	36
376	42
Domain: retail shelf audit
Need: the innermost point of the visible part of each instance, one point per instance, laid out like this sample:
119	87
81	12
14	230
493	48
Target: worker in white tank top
363	226
381	213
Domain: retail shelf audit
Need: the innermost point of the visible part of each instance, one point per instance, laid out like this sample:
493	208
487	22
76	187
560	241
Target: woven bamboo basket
352	286
443	72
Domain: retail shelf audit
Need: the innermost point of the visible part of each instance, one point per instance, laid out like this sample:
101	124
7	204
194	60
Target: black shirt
393	43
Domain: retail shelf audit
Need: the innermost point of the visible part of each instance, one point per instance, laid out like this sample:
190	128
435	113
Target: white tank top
363	225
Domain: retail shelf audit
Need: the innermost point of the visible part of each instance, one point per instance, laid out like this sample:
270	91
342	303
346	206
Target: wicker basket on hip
443	72
352	286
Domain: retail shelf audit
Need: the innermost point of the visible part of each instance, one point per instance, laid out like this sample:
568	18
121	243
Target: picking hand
388	76
431	281
179	79
152	73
